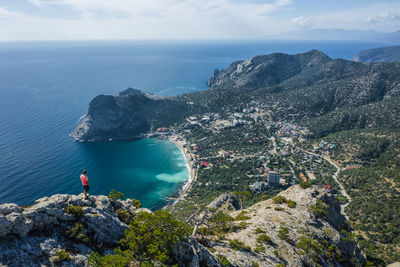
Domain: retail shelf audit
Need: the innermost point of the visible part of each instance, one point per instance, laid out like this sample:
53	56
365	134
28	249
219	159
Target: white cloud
131	19
362	18
384	17
184	19
302	21
37	3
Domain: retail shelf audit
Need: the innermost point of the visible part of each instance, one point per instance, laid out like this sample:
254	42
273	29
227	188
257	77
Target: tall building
273	178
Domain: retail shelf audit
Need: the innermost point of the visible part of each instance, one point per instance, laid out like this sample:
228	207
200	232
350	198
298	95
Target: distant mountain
338	34
392	37
381	54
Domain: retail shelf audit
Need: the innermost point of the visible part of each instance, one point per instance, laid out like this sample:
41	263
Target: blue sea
46	87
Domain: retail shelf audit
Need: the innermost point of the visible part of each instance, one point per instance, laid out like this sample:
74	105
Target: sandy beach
192	171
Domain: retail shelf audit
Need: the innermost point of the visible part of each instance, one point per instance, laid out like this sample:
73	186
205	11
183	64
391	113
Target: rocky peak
266	70
130	91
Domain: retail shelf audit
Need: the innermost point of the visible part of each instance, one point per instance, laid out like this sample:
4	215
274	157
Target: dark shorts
86	188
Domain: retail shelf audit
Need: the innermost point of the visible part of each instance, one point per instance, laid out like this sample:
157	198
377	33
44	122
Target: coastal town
247	150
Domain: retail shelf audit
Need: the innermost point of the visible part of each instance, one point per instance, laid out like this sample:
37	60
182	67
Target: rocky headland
380	54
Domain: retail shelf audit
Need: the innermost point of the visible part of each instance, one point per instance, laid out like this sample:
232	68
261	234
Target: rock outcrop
225	202
30	236
272	233
33	236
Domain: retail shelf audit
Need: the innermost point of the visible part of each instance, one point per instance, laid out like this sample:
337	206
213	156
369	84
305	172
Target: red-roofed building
162	129
303	177
204	163
328	187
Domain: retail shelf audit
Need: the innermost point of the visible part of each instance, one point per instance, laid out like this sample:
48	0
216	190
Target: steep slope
308	232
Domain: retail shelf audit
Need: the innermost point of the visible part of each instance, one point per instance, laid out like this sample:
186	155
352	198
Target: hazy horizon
48	20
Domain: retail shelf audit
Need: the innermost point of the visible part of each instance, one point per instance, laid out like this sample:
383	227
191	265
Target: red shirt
84	179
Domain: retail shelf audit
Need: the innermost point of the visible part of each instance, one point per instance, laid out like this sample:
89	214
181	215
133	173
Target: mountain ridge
311	84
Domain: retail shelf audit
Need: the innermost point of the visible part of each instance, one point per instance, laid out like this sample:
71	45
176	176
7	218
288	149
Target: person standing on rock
85	182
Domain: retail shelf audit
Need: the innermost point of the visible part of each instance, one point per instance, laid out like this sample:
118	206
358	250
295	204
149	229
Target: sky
188	19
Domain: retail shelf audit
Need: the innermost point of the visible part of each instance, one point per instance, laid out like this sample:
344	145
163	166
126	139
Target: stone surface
225	202
31	236
299	221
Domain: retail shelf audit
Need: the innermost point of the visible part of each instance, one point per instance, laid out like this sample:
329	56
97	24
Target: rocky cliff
128	115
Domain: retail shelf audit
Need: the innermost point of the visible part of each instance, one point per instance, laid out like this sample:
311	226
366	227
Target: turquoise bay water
45	87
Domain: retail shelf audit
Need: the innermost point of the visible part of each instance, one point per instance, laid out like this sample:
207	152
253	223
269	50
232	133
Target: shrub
153	236
264	239
320	209
291	203
305	185
94	259
237	245
264	197
76	233
310	248
221	222
124	215
75	210
136	203
96	215
279	200
260	231
279	209
284	234
255	264
242	216
61	255
240	226
114	195
223	260
276	253
119	259
259	249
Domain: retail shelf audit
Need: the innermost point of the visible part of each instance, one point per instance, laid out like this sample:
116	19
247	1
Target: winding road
342	191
